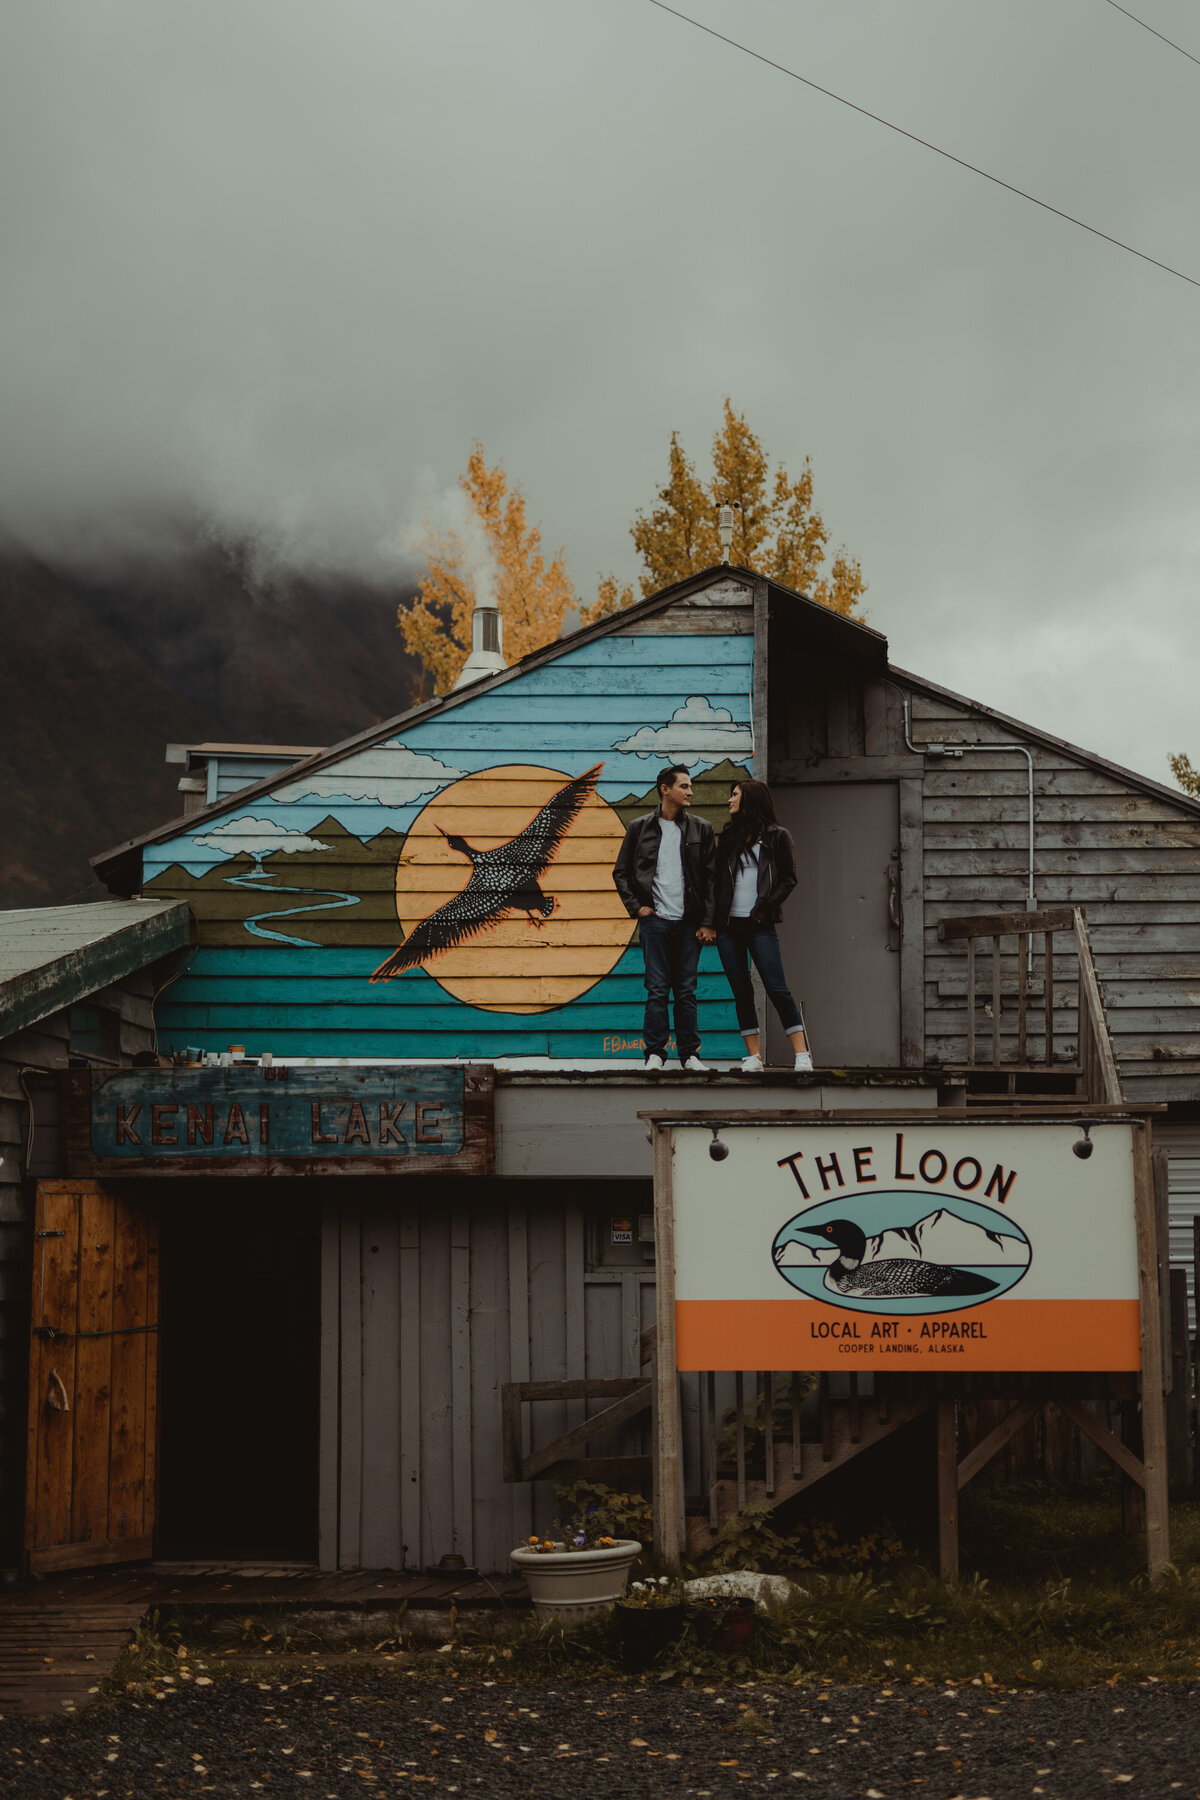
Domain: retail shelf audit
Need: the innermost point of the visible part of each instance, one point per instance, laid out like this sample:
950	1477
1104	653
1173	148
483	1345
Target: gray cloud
265	264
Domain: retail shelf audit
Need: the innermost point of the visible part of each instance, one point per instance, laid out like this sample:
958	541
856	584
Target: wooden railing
1095	1065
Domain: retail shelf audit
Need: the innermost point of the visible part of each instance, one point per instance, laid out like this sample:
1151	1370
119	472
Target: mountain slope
97	676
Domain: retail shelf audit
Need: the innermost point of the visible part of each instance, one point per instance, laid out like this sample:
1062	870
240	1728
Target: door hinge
42	1234
51	1333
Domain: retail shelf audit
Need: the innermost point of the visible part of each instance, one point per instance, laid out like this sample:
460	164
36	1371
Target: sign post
919	1244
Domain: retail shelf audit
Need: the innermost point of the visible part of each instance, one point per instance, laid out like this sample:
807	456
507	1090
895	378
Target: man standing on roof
664	873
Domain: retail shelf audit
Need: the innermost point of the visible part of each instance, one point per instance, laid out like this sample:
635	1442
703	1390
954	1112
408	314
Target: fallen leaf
638	1743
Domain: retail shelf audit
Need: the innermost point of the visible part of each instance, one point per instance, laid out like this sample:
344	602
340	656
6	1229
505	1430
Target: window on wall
95	1034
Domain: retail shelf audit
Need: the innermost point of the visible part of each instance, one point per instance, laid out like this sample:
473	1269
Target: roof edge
116	866
27	999
1157	790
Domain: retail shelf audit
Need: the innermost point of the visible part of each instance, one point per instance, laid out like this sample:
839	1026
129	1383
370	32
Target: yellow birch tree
1187	776
777	529
534	595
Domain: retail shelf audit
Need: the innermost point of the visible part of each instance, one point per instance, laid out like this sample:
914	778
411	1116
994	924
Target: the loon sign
340	1118
931	1243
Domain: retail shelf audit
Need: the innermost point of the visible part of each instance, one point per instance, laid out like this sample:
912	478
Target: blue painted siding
300	895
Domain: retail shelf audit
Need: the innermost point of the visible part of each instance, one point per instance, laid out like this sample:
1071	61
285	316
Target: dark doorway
240	1330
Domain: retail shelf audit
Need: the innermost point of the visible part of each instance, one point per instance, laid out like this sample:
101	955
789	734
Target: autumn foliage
1187	776
777	532
534	596
777	529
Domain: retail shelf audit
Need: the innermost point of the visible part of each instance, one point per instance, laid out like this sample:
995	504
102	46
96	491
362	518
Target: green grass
1053	1595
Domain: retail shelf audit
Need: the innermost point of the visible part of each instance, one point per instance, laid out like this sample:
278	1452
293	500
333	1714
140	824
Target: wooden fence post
947	1484
668	1469
1154	1417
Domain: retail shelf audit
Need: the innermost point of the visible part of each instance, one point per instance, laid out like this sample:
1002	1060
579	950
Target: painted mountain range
940	1237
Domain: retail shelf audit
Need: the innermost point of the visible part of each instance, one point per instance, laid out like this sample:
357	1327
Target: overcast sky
269	263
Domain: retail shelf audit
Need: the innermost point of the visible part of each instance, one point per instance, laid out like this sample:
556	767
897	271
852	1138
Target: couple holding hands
686	887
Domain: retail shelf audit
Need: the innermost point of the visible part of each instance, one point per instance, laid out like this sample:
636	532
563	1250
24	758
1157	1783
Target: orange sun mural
504	889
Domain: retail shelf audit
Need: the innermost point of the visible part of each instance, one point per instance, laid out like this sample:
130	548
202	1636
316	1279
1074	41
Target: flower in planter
653	1593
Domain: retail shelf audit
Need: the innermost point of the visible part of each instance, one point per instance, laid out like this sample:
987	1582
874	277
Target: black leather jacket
637	859
776	878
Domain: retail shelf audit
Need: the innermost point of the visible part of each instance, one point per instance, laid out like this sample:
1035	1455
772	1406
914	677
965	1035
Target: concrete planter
573	1585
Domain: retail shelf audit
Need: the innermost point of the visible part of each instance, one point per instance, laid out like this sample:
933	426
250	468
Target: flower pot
727	1626
574	1585
644	1632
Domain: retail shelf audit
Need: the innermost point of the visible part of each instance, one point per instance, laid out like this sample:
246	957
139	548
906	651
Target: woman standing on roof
756	871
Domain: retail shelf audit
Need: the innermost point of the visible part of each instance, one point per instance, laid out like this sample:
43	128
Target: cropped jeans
744	941
672	954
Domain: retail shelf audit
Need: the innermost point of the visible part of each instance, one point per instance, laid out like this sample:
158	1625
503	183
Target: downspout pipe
956	750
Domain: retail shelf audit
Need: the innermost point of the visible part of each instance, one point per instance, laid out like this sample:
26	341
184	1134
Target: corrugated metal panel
1184	1173
1181	1141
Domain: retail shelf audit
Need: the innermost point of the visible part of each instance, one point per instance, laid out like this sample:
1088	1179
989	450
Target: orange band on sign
1004	1334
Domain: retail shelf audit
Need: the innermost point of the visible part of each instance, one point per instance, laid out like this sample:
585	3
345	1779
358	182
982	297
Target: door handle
895	915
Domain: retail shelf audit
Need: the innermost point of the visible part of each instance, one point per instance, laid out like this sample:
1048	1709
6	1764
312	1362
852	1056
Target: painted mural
448	891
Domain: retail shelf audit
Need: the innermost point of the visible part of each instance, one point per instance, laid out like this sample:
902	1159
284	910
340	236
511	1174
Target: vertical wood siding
444	1291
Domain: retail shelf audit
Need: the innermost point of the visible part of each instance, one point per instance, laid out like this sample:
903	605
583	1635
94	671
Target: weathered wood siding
1130	858
300	894
25	1157
1124	849
435	1297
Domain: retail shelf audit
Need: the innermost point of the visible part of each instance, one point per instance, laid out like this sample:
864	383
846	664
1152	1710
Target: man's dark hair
666	777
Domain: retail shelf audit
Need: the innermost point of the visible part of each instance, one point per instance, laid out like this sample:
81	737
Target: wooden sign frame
1149	1471
476	1156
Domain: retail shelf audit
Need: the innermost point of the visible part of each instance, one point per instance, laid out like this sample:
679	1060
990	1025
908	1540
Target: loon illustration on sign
901	1252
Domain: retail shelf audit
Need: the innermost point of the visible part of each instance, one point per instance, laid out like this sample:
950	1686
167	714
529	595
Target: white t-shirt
668	873
745	885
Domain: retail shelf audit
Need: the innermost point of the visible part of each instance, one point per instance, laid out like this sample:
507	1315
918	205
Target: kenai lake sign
423	1118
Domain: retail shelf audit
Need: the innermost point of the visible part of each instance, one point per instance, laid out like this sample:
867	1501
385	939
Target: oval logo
901	1252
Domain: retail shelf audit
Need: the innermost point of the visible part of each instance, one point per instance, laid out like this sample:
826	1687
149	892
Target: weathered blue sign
333	1117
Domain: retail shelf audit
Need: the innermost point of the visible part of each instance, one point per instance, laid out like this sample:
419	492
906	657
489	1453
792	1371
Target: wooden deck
60	1637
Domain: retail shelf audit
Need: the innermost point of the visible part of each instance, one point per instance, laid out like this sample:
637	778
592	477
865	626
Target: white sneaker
804	1062
752	1065
655	1065
694	1066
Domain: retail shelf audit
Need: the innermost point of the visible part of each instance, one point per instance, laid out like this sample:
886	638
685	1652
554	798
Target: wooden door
841	929
93	1379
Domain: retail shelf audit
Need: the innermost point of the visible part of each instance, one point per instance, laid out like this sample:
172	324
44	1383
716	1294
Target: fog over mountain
270	269
98	673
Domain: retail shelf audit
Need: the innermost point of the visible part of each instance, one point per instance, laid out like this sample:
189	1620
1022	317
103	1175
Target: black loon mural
890	1277
506	879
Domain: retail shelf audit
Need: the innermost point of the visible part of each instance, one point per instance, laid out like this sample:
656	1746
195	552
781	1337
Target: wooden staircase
790	1460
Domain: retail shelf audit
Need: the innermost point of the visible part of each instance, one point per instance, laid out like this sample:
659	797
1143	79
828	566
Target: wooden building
76	982
389	1299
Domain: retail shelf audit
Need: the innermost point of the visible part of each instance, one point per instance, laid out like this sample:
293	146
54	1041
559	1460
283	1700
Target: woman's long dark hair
749	822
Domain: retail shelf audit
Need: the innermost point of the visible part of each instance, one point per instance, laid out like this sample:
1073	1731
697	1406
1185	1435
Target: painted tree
1187	776
494	547
777	529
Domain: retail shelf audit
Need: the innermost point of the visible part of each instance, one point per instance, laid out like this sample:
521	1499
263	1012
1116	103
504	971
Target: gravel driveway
341	1731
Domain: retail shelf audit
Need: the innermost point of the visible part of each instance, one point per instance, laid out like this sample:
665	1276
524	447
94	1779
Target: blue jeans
744	941
672	954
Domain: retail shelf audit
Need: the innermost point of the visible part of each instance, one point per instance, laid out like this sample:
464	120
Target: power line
925	143
1157	34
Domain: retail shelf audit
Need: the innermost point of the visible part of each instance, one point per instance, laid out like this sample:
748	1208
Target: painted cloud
697	733
388	775
249	836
